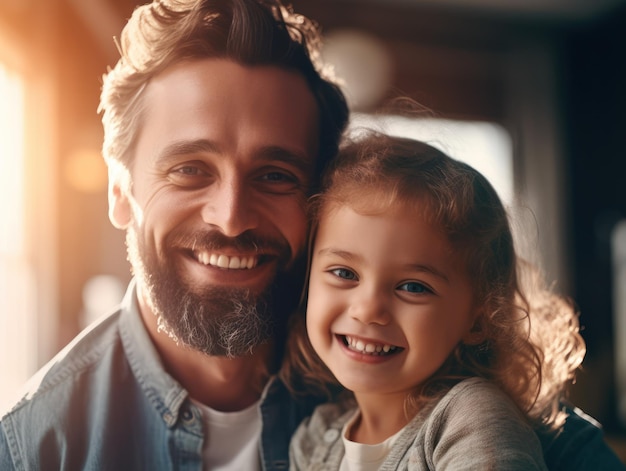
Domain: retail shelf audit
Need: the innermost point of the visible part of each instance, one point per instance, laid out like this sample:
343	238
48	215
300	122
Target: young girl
418	305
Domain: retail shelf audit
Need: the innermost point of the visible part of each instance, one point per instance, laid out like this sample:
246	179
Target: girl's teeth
370	348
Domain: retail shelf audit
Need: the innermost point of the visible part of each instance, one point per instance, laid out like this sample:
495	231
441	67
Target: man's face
215	214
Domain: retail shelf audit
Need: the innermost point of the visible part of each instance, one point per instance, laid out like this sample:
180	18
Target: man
218	122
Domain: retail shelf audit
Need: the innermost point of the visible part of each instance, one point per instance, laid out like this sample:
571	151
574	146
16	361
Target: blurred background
531	92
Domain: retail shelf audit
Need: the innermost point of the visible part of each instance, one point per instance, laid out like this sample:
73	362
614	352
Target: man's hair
250	32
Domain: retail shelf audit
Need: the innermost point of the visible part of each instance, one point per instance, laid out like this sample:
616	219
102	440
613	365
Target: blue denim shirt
106	403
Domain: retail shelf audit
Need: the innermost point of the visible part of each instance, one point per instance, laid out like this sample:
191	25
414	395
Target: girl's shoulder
476	425
476	402
477	393
475	384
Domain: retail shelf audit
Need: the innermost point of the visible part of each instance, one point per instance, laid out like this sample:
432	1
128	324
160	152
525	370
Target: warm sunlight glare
11	164
16	297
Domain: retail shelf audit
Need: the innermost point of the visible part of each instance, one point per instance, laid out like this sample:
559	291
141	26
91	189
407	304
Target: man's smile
232	262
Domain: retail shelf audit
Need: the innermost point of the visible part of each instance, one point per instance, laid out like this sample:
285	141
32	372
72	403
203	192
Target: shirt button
331	435
187	415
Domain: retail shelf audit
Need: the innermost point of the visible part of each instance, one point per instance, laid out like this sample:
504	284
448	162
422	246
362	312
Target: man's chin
218	321
218	312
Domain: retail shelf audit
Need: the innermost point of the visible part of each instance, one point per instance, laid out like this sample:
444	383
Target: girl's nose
372	308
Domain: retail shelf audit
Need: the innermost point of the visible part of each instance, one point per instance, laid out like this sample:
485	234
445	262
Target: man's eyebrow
187	147
300	160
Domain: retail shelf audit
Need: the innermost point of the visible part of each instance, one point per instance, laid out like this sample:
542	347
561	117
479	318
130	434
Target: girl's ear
476	334
474	338
120	212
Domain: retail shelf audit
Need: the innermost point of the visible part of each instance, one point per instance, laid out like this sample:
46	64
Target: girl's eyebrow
338	252
428	269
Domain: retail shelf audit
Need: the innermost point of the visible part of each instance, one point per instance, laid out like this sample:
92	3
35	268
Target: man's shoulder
52	384
71	402
580	445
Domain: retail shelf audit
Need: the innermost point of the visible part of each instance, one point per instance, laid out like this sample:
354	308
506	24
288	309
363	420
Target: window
17	294
618	250
485	146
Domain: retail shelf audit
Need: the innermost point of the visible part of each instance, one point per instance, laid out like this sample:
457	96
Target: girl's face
388	299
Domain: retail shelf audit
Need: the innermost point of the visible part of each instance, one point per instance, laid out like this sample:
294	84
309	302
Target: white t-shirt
231	439
361	457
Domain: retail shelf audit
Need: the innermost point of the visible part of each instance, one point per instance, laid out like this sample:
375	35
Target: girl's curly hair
526	338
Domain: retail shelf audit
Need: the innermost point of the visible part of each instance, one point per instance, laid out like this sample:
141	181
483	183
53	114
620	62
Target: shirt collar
163	391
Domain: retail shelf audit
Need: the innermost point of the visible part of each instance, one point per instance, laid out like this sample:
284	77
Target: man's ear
120	212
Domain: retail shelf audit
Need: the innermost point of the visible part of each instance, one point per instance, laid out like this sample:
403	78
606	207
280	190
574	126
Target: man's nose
230	208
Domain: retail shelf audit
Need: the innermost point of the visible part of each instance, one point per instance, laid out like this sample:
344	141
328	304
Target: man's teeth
224	261
369	348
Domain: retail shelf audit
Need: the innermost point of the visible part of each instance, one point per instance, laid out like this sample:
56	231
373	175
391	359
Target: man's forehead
211	104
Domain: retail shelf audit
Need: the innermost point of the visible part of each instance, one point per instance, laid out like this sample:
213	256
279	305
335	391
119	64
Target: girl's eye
414	287
344	273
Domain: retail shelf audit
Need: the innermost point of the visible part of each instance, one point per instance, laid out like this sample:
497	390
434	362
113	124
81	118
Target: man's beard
217	321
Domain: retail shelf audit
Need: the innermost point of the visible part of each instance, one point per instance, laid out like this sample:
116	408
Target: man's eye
279	182
277	177
189	176
414	287
188	170
344	273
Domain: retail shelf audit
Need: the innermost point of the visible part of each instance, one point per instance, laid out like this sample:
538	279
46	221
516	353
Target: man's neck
224	384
